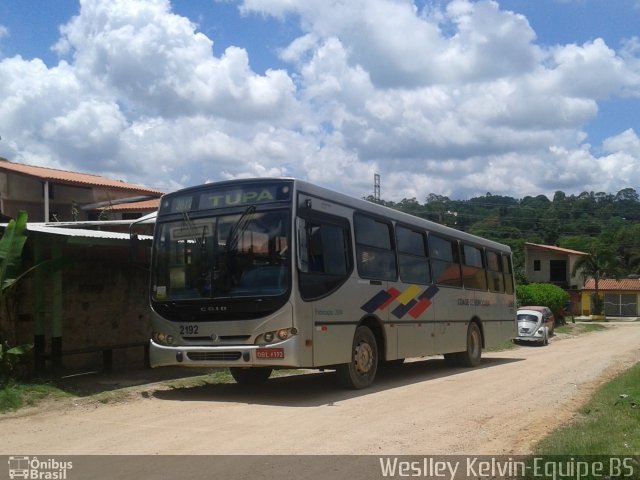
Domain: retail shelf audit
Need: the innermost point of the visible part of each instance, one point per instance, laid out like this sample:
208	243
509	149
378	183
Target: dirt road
421	408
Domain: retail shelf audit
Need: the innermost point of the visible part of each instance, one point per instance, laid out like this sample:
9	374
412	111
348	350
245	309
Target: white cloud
479	102
457	100
156	61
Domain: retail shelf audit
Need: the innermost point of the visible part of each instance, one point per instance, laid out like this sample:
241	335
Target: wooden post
56	307
39	313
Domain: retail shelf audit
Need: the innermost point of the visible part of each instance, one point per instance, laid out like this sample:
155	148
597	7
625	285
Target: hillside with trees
608	224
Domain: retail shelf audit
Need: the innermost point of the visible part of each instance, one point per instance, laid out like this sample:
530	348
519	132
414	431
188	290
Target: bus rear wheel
361	370
472	355
250	376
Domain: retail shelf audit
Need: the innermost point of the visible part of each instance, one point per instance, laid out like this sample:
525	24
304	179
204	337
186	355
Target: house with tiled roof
550	264
621	297
49	194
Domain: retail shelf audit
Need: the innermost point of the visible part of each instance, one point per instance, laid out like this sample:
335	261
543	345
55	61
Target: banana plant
11	272
11	245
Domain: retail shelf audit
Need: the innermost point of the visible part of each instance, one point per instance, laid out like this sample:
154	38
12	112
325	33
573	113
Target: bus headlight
282	334
162	338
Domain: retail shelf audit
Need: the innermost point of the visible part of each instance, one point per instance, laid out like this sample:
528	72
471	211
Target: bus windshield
210	257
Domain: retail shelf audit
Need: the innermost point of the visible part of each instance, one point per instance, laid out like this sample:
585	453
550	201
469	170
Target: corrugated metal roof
76	232
624	284
73	178
80	232
551	248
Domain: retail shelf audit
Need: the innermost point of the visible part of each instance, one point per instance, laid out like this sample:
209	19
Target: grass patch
221	375
506	345
580	328
605	435
18	395
608	425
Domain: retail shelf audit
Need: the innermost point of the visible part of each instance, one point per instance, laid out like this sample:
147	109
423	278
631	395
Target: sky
458	98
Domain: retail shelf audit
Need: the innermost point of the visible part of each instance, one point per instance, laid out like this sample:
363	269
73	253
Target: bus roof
361	204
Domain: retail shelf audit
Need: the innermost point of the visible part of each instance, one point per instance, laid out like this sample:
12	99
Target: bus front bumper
282	354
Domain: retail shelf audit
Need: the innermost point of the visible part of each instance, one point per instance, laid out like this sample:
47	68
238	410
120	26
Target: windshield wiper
239	228
193	230
229	272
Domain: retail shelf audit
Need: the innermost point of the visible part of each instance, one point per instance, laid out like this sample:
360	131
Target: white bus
261	274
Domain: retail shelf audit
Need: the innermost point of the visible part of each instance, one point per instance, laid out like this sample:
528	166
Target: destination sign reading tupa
227	196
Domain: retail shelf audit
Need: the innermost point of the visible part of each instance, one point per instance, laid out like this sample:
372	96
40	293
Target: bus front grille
214	356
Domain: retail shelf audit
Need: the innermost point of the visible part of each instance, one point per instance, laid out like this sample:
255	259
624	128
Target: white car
535	324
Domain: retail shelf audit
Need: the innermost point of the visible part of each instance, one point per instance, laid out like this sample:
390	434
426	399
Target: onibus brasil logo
40	469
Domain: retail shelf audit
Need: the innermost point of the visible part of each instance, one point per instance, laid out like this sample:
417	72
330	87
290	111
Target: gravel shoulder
422	407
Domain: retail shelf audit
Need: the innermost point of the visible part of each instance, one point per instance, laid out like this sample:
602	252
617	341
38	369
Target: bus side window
494	272
413	260
508	273
445	261
473	268
375	252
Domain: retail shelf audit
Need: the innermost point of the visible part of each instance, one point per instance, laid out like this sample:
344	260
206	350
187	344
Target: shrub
543	294
12	362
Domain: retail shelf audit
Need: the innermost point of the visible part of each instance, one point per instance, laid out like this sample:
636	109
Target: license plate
270	353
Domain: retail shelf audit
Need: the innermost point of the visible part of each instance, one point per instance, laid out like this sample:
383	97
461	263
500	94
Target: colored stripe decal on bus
422	305
429	293
381	300
401	310
409	294
413	301
393	294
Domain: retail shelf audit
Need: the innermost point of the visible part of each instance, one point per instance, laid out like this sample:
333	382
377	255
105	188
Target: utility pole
376	187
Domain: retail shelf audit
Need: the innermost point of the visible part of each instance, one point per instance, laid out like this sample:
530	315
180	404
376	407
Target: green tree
627	239
601	262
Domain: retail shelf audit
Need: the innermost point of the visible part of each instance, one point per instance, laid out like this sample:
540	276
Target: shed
97	301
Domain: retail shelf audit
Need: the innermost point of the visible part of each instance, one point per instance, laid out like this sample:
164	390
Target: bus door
326	285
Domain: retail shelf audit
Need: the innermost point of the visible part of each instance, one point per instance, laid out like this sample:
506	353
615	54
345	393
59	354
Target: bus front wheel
361	370
250	376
